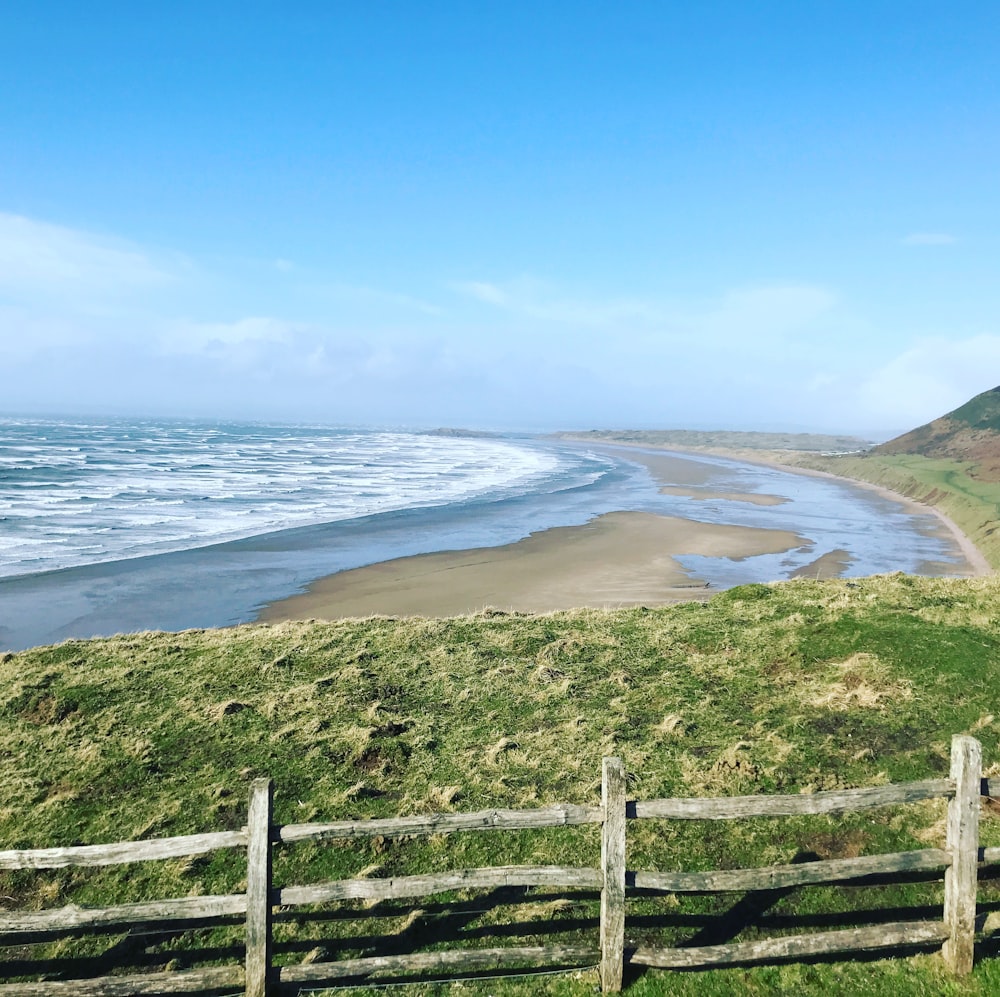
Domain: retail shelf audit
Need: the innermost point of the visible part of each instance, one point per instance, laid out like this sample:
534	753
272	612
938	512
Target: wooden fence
959	861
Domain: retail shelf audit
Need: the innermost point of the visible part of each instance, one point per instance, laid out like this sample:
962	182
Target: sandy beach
618	559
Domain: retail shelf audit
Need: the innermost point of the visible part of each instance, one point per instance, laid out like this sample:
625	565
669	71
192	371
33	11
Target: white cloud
931	378
88	314
25	332
483	291
819	381
929	239
214	337
272	349
529	298
40	257
741	317
768	310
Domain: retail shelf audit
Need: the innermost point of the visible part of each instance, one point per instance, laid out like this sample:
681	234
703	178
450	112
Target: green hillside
981	412
969	433
786	688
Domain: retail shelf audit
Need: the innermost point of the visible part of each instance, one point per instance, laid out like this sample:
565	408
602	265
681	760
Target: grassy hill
969	435
793	687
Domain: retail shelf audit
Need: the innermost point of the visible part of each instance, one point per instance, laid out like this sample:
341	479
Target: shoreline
973	555
618	559
234	582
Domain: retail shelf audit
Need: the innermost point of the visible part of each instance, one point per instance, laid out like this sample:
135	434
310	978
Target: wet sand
691	479
704	494
829	565
619	559
672	471
978	566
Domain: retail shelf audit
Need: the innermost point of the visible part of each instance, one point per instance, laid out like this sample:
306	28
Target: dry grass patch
441	798
494	751
733	772
672	725
860	682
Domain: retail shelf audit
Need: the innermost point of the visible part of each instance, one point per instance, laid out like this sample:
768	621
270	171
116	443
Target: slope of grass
981	412
796	687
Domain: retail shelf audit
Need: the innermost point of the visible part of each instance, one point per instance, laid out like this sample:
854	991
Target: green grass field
785	688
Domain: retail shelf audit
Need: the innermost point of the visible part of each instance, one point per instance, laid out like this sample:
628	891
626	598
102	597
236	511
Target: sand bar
704	495
832	564
619	559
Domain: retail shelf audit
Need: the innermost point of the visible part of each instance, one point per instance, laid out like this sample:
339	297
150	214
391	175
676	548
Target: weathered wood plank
989	856
180	909
258	940
421	962
560	815
120	852
880	936
183	982
834	801
963	843
612	933
799	874
442	882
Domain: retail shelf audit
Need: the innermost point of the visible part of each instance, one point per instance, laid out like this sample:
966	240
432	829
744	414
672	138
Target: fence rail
561	815
883	936
121	852
257	976
830	802
777	877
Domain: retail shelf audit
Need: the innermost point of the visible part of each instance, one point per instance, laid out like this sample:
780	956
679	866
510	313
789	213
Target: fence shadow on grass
450	939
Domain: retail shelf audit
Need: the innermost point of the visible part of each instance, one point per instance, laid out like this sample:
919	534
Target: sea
119	525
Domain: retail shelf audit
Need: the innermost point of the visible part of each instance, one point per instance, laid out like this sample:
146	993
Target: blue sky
550	215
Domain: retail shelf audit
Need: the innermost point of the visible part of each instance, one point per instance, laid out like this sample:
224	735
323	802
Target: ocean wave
75	493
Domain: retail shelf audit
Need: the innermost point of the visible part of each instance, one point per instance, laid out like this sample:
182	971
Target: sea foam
73	493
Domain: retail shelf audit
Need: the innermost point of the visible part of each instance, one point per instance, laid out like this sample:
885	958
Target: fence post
613	867
258	940
963	843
